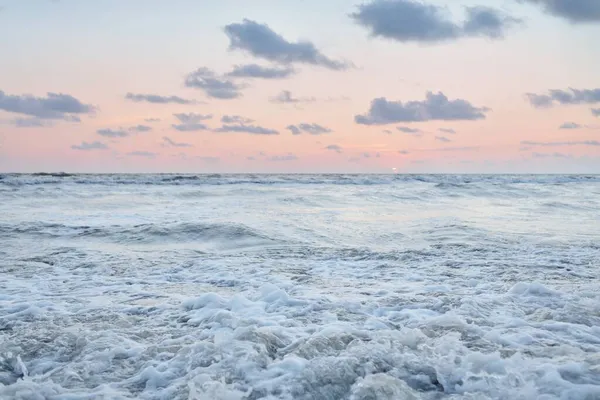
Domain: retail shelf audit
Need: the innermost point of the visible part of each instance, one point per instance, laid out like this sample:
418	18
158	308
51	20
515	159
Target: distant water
299	287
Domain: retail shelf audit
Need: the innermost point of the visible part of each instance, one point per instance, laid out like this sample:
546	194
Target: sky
378	86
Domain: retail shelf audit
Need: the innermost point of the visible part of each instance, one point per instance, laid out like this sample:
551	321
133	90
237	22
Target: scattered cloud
596	112
414	21
157	99
261	72
551	155
287	157
570	125
191	122
112	133
447	130
235	119
570	143
285	97
574	11
167	142
30	123
312	129
334	147
412	131
147	154
443	139
389	132
244	128
369	155
213	85
404	152
434	107
140	128
208	160
251	158
261	41
53	106
89	146
564	97
151	120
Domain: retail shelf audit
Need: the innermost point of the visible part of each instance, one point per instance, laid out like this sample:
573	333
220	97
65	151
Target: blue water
299	287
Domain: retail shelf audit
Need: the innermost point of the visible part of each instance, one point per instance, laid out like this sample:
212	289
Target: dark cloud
412	131
387	131
412	21
112	133
551	155
262	42
261	72
596	112
574	11
447	130
191	122
213	85
564	97
140	128
570	125
157	99
286	97
53	106
169	142
434	107
443	139
235	119
287	157
312	129
244	128
30	123
334	147
147	154
570	143
89	146
152	120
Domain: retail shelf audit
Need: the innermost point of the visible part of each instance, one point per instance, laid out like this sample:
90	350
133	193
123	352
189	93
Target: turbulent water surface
299	287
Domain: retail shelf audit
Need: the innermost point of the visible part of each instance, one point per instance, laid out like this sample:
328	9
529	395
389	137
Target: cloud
570	125
596	112
313	129
404	152
53	106
262	42
252	129
213	85
443	139
574	11
447	130
564	97
434	107
368	155
152	120
285	97
334	147
157	99
147	154
261	72
112	133
235	119
251	158
140	128
412	21
387	131
191	122
570	143
287	157
551	155
413	131
208	160
30	123
172	143
89	146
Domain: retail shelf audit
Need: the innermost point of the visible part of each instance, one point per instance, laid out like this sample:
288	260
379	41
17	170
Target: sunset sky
300	86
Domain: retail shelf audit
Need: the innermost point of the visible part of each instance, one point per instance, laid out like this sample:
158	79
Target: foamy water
299	287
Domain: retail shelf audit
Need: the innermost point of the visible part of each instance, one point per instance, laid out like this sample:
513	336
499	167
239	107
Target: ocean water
354	287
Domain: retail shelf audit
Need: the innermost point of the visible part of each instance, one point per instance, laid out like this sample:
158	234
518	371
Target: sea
232	287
